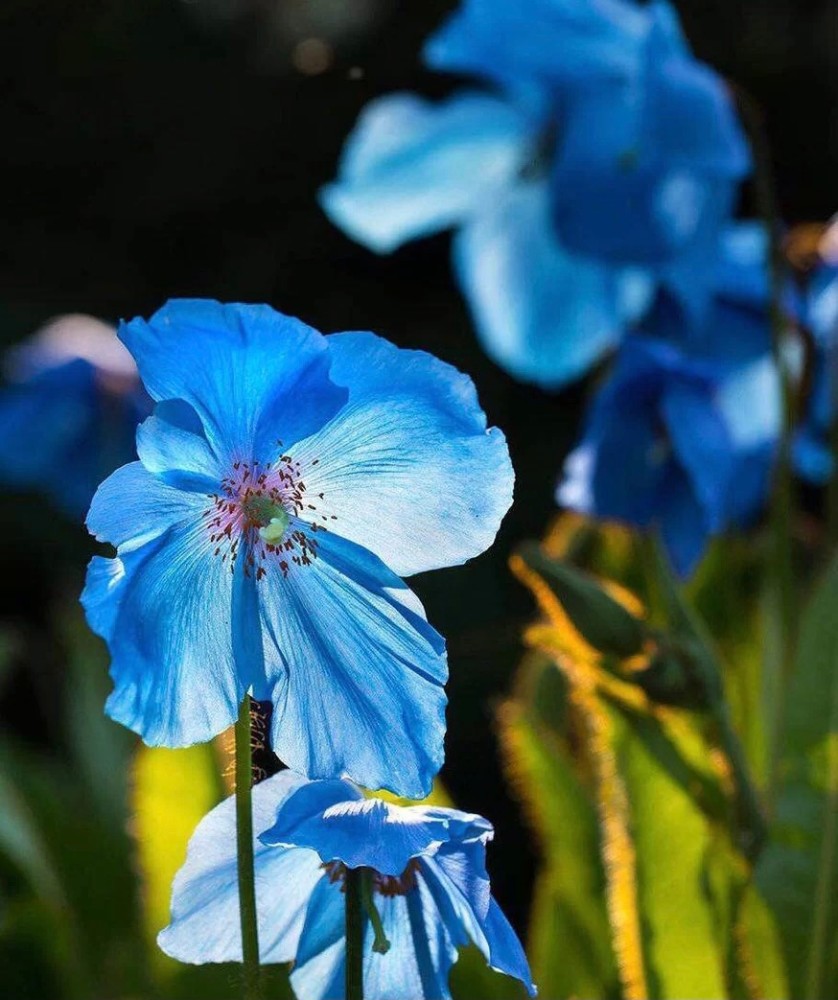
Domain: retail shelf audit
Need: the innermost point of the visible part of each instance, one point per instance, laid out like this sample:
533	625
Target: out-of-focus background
175	148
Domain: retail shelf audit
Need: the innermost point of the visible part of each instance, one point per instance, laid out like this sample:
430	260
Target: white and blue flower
428	891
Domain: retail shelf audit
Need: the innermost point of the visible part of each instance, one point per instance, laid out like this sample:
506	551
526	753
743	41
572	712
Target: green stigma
273	531
271	517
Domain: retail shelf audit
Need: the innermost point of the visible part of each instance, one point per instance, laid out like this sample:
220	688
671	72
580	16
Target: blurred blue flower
682	437
426	867
69	411
609	157
472	162
285	479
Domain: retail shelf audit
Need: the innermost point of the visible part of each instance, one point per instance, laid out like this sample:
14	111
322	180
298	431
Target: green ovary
270	516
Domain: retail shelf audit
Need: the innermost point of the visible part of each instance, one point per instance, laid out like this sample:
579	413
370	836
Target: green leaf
672	839
601	620
799	871
471	977
569	942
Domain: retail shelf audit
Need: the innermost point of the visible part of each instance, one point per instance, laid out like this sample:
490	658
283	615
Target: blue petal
181	659
692	121
742	272
133	507
319	971
703	446
171	444
411	168
619	469
683	526
561	41
251	374
543	314
331	818
415	968
505	953
99	597
646	172
750	403
358	672
408	468
812	457
459	885
205	904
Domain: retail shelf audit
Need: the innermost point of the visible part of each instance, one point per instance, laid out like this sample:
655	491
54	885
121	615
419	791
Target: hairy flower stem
783	606
354	891
244	845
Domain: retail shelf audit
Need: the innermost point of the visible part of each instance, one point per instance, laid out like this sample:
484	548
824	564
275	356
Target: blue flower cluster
598	163
285	482
592	174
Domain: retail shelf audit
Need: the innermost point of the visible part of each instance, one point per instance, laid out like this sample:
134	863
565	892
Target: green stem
354	890
683	622
781	560
244	846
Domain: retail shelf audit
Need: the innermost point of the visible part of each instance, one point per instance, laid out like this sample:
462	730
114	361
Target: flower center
263	513
384	885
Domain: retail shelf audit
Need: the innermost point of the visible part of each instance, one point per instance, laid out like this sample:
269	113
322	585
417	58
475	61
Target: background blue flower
812	445
69	411
284	480
682	436
606	159
429	880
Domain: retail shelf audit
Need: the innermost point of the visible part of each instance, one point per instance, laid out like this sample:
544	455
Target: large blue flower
284	480
427	871
682	437
69	411
479	163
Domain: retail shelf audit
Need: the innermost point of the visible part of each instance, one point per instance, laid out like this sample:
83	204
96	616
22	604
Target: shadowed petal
359	832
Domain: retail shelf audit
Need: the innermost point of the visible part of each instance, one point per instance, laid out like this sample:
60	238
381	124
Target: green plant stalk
781	559
354	891
681	617
244	854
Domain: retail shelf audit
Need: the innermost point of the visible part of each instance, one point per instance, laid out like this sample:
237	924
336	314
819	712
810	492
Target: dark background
159	148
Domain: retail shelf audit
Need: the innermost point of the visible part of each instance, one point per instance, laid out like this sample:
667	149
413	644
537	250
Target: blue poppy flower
648	168
286	481
812	444
474	163
682	437
69	411
426	869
